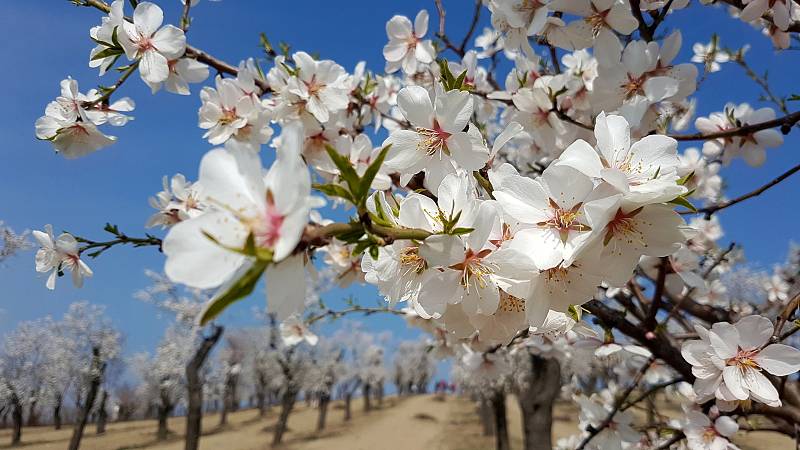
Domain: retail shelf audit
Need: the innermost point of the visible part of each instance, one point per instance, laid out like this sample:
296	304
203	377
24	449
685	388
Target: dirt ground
421	422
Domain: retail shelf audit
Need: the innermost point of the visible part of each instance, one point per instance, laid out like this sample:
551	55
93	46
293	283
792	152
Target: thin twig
709	210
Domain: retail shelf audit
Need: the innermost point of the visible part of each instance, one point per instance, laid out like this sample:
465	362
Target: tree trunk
98	367
379	394
261	397
324	401
102	414
194	388
33	418
500	420
348	413
287	403
486	415
367	390
57	412
536	402
16	418
164	409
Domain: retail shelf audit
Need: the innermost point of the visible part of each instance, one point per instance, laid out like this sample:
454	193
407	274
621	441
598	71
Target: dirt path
420	422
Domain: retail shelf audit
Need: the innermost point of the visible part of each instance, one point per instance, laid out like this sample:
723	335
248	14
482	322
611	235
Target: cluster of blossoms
493	212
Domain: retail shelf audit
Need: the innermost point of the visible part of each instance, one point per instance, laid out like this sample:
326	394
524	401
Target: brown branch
187	5
475	17
355	309
594	431
441	34
709	210
785	122
655	303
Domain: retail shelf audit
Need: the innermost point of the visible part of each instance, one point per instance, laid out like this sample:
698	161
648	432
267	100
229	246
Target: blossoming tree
501	211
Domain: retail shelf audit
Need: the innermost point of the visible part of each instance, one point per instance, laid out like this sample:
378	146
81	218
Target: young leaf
239	289
346	170
681	200
371	172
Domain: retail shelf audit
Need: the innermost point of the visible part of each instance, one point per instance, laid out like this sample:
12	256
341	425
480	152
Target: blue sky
44	42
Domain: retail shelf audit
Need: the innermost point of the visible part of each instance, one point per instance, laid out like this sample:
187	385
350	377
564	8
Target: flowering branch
594	431
710	210
120	238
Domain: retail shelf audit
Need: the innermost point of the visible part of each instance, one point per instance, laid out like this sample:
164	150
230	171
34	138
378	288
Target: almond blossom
150	44
58	254
406	48
269	210
437	142
729	360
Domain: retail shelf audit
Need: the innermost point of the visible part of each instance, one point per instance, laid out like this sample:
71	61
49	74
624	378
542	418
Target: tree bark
486	415
367	390
164	409
33	418
102	414
194	386
97	370
287	403
57	412
500	420
324	401
536	402
16	418
348	412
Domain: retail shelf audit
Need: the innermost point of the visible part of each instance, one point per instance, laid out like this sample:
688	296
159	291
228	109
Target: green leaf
346	170
681	200
239	289
461	230
685	179
793	98
459	83
105	53
371	172
334	190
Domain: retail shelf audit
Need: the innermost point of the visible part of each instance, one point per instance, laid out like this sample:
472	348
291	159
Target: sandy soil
423	422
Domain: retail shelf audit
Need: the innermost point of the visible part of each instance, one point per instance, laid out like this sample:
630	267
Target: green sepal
239	289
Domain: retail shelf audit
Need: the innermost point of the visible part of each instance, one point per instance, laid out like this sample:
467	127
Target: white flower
182	71
180	200
104	33
406	48
437	142
150	44
229	112
728	361
751	147
295	331
599	20
711	56
781	11
518	20
244	204
554	210
55	255
322	85
701	434
645	172
594	411
777	288
68	123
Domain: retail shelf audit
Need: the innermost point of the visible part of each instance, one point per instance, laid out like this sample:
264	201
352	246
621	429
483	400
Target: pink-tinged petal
613	137
399	27
194	259
582	157
734	381
453	110
759	385
153	67
147	17
754	332
724	338
779	359
415	104
754	10
170	42
404	152
286	287
421	23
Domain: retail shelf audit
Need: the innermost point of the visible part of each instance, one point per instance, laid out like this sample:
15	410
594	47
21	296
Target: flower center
411	261
433	140
564	220
744	359
267	231
473	268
